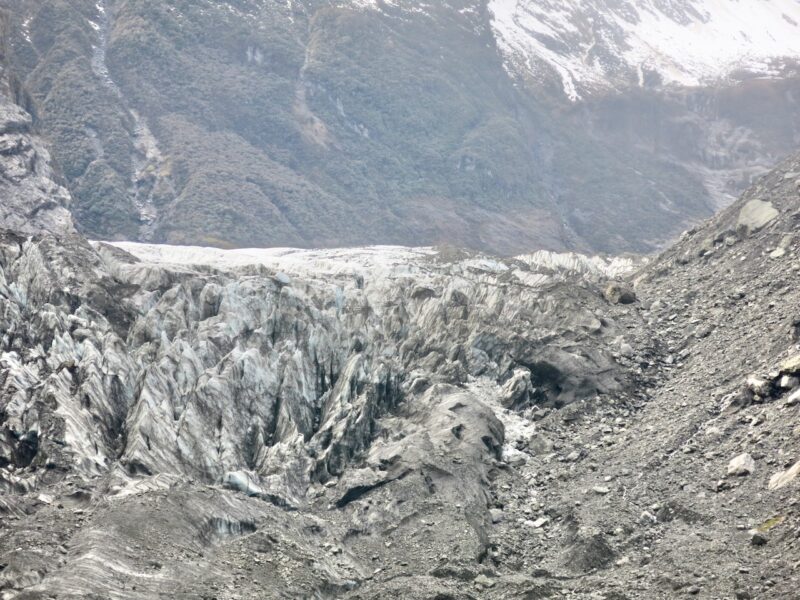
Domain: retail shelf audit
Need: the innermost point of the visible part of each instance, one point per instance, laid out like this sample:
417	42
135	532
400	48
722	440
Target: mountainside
594	46
495	125
427	423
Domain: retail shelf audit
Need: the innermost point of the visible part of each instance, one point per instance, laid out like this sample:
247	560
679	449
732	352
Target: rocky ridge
695	492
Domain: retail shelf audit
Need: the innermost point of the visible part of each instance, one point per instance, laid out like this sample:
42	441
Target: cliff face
32	198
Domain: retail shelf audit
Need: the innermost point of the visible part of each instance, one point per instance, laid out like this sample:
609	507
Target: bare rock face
32	200
755	214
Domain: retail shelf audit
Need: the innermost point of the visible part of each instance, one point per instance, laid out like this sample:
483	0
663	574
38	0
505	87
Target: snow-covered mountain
601	45
607	44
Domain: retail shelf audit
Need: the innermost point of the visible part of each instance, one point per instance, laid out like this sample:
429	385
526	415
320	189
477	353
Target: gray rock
617	293
589	552
755	214
242	482
484	581
759	386
540	522
741	465
33	202
517	391
784	478
791	366
758	538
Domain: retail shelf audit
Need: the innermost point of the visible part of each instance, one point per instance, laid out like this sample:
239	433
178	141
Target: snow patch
516	426
26	29
597	266
390	260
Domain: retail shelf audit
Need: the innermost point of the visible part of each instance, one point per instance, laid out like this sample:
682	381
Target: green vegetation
771	524
330	126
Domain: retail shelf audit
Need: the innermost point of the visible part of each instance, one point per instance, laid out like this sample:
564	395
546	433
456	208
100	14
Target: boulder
517	390
617	293
791	366
540	522
241	482
759	386
784	478
756	214
589	553
741	465
758	538
496	514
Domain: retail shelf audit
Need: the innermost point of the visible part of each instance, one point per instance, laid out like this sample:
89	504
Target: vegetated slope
318	124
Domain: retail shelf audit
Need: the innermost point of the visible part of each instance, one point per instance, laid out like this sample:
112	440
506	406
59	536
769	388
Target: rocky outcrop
33	201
